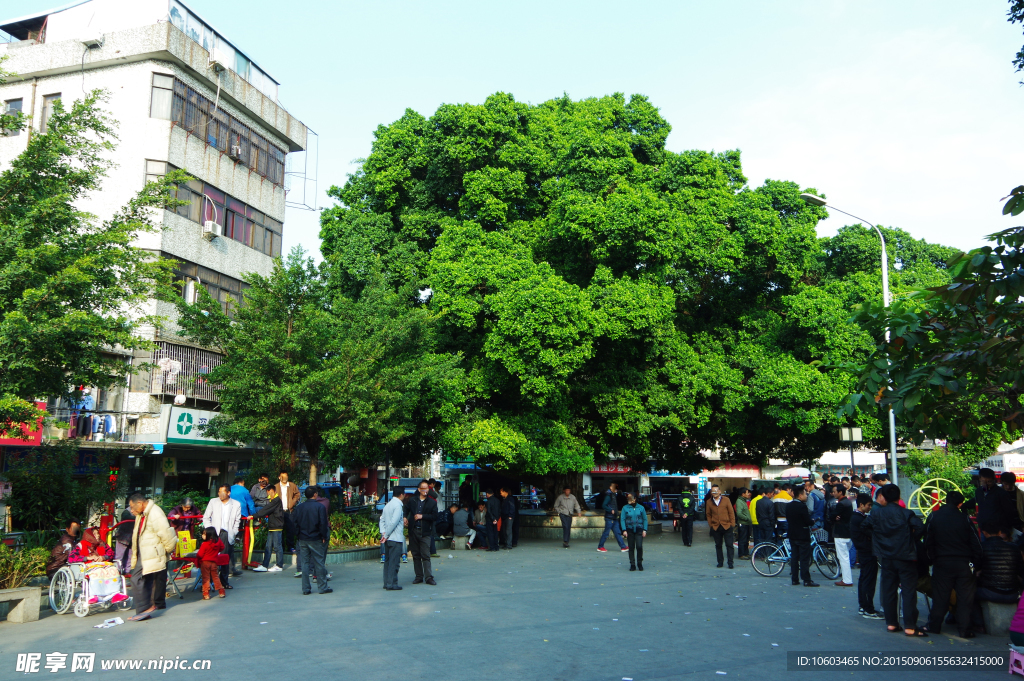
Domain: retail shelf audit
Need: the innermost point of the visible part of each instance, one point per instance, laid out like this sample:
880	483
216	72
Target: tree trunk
554	484
312	471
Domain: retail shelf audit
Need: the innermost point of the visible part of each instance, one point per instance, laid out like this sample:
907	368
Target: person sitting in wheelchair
104	577
90	549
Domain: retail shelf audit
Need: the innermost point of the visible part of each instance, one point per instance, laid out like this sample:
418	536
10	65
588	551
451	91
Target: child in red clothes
210	559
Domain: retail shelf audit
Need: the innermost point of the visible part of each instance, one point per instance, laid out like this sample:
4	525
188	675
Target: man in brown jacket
59	554
721	520
289	495
288	491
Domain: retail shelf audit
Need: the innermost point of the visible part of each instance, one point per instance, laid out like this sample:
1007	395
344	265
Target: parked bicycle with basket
769	558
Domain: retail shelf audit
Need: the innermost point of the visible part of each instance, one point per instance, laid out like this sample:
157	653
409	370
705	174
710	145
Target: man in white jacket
392	536
224	514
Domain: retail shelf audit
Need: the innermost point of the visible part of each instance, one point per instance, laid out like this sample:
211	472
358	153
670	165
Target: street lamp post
851	435
818	201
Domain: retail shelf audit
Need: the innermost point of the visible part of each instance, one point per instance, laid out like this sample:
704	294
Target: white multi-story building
184	96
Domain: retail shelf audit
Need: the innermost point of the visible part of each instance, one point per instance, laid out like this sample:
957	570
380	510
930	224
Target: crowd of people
493	526
958	563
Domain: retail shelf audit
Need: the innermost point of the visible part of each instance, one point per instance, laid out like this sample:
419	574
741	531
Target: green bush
16	567
922	466
353	529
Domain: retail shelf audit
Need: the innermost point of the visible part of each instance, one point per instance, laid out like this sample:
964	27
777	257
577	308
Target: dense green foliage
71	287
608	296
17	567
46	493
307	366
956	355
353	529
922	466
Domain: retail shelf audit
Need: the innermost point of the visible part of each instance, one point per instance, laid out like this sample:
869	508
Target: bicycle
769	558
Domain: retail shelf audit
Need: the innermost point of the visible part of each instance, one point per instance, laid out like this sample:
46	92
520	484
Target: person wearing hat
90	549
950	541
105	579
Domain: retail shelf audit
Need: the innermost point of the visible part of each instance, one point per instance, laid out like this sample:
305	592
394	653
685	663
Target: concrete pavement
536	612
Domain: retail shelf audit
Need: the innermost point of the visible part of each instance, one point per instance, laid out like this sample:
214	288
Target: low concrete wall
44	600
351	555
334	556
539	525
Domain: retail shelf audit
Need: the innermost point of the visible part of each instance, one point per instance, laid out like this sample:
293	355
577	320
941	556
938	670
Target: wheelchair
71	588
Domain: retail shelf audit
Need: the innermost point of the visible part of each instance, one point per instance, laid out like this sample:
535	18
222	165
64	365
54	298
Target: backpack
818	513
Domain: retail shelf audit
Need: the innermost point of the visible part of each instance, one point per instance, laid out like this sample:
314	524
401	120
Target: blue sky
903	113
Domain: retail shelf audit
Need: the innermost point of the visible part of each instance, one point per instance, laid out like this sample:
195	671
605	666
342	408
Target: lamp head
813	200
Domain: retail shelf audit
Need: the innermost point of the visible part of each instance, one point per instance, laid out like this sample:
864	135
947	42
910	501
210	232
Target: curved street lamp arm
885	257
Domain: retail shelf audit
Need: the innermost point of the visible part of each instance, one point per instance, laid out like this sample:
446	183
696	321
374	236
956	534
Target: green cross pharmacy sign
184	427
185	424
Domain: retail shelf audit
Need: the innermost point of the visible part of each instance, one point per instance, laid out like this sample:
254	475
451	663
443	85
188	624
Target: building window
12	107
49	101
156	169
182	370
201	117
224	289
163	92
238	221
241	65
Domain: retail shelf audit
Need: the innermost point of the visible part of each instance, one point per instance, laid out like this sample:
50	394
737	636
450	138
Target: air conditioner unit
235	153
93	42
211	230
218	59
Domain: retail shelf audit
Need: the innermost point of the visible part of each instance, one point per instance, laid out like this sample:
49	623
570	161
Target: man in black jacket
421	511
1000	571
800	522
765	509
493	514
894	532
274	513
868	563
953	546
993	503
314	531
1008	481
841	533
508	516
515	520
